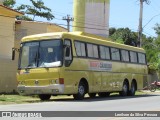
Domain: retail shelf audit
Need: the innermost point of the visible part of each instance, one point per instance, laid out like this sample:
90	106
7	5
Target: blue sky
123	13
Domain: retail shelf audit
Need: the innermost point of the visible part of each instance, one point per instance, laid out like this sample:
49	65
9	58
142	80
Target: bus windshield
41	54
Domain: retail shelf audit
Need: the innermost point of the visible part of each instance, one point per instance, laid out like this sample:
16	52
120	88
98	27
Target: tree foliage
157	29
9	3
124	36
154	50
31	11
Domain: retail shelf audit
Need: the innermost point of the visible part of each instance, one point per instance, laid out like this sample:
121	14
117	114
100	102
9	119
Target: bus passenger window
104	53
95	51
133	57
141	58
125	55
115	54
92	51
80	49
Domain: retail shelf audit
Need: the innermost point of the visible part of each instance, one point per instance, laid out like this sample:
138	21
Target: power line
148	34
151	20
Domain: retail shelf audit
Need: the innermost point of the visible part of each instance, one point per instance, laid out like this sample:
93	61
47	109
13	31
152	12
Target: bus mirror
67	51
13	53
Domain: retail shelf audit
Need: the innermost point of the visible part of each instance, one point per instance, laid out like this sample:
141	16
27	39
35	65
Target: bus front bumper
34	90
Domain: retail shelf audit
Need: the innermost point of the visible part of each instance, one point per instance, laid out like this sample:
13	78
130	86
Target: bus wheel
124	91
92	95
81	92
44	97
103	94
132	90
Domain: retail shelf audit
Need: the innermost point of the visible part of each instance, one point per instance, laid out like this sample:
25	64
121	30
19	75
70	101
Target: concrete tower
92	16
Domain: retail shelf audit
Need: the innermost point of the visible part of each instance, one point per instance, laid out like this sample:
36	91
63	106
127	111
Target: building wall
25	28
8	80
55	28
6	36
7	66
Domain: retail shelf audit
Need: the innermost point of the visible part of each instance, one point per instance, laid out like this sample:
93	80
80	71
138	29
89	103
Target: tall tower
92	16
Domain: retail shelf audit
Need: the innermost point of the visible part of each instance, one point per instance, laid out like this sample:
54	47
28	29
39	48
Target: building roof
5	11
40	22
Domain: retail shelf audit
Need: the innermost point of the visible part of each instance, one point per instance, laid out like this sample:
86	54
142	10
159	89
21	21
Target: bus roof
93	38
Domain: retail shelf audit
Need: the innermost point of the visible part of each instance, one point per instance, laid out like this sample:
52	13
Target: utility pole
140	24
140	29
68	19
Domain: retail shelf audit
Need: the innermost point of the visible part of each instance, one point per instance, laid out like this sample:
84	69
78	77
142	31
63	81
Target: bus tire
103	94
133	89
125	90
44	97
92	95
81	92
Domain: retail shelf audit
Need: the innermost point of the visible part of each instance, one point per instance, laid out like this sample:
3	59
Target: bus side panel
106	81
73	74
96	78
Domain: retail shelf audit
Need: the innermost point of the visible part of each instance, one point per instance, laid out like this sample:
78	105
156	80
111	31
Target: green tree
124	36
157	29
152	47
9	3
38	9
31	11
112	31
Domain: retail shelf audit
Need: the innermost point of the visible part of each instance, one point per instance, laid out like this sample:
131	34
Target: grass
17	99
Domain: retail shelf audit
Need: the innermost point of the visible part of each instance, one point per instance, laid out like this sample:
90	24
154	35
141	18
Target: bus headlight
21	83
54	81
57	81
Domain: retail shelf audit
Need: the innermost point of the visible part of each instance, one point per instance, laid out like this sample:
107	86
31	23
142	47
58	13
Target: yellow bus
77	63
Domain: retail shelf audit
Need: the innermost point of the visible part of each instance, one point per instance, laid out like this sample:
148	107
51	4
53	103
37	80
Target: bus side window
133	57
125	55
68	52
141	58
115	54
